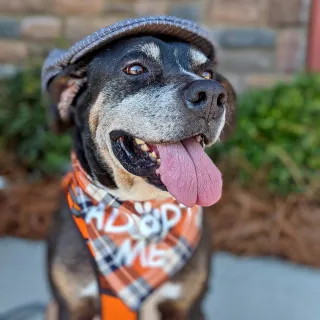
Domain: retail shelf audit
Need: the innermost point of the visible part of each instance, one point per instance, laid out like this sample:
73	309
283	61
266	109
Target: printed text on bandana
136	230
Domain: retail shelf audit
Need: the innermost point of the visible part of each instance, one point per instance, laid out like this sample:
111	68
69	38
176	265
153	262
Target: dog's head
147	107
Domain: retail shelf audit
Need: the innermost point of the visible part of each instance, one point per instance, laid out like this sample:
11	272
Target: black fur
104	71
151	106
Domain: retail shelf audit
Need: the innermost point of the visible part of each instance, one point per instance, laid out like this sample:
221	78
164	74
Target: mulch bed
26	207
243	221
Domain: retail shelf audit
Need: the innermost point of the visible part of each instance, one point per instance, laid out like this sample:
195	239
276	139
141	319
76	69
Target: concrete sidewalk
241	289
262	289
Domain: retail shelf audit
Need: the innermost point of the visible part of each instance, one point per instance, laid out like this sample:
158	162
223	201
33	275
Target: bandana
136	246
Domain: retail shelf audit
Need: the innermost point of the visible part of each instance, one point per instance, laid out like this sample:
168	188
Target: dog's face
141	95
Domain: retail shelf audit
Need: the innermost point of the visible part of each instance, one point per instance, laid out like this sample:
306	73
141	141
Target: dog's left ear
62	91
230	122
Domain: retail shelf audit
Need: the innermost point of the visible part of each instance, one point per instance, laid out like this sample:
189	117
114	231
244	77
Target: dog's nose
206	94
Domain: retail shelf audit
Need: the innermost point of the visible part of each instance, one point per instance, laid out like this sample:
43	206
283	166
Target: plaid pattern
137	246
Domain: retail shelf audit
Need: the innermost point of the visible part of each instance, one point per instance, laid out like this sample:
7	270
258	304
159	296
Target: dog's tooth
144	147
158	161
153	155
199	138
138	141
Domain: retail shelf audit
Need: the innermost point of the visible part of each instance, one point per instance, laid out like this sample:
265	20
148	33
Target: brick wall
260	41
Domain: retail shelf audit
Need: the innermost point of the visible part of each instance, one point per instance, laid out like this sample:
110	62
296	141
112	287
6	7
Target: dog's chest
137	246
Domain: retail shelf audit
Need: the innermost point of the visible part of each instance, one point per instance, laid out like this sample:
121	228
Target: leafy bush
23	125
277	139
276	145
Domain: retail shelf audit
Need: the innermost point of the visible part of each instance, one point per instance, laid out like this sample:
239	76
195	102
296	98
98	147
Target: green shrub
277	137
276	144
23	125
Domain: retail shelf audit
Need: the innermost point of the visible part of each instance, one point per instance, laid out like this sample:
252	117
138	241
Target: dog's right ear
62	92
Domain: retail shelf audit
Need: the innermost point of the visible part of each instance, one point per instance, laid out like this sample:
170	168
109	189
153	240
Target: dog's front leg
187	306
56	312
191	283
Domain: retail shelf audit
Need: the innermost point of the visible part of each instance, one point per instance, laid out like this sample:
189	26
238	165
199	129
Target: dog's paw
170	310
52	311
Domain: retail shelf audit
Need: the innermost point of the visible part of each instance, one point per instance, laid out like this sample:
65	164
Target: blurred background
265	229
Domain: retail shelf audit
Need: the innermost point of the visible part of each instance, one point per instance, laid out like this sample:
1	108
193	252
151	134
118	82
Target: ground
241	288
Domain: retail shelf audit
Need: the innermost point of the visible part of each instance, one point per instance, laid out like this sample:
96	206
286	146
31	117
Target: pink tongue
189	174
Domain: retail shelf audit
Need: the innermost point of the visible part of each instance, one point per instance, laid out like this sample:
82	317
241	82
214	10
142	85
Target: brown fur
193	279
163	117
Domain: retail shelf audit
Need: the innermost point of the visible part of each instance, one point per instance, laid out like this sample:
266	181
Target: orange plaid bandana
136	246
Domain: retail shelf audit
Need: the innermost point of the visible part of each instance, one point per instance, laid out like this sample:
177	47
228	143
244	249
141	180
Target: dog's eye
134	69
207	75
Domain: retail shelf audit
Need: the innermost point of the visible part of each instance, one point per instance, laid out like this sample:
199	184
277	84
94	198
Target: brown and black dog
142	89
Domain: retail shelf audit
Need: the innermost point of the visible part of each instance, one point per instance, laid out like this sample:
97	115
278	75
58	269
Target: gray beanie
178	28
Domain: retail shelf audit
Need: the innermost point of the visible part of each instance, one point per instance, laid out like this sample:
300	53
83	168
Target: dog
141	92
